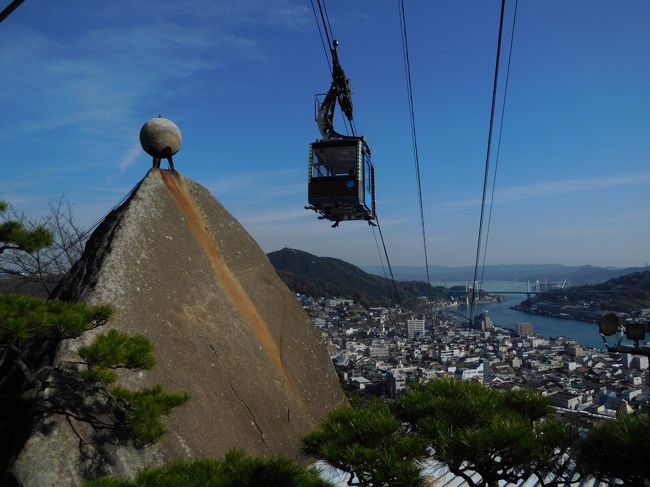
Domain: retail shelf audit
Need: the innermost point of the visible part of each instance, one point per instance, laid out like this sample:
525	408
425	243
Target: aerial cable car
341	182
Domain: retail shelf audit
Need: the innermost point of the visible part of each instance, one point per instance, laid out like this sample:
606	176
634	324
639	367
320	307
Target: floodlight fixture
635	331
609	324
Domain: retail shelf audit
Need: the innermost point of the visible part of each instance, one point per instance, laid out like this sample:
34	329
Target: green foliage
14	234
144	409
525	402
236	469
473	428
368	443
25	318
117	350
500	435
618	450
28	321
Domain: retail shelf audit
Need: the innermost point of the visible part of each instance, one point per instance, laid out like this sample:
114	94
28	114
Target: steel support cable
327	20
390	268
496	159
325	25
414	138
487	163
99	221
381	259
322	40
9	9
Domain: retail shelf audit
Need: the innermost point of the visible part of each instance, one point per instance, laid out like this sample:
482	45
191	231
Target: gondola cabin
342	179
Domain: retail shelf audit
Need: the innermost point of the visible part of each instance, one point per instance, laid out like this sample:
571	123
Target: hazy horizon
378	264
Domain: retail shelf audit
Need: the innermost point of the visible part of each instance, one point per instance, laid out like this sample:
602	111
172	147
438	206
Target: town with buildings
378	352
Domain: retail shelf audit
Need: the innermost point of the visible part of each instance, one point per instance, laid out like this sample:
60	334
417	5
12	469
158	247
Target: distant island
628	296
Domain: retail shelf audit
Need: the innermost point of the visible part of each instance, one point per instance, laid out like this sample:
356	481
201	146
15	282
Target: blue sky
80	78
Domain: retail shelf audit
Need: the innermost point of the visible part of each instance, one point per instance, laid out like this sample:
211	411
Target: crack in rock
250	412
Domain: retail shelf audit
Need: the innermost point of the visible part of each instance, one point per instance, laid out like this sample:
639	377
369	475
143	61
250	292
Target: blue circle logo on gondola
350	184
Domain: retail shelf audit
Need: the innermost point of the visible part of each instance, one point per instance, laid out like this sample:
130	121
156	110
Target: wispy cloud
248	189
275	217
546	188
288	14
241	181
106	74
616	225
130	157
104	77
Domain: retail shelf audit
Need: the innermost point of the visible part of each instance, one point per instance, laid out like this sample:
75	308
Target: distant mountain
575	275
326	276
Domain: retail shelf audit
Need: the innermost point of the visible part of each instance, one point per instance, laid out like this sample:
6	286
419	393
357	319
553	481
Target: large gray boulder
179	269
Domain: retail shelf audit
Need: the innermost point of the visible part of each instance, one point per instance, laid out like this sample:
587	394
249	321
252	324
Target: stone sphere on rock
160	137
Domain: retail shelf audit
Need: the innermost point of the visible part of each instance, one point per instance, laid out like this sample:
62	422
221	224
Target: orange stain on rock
233	288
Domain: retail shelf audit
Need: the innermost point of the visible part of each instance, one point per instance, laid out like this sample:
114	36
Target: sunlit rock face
179	269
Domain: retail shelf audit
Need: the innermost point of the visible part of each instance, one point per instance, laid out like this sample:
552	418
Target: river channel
505	317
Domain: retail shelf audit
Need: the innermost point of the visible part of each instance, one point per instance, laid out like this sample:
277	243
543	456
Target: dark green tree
40	251
135	415
236	469
502	436
15	235
31	329
618	451
368	443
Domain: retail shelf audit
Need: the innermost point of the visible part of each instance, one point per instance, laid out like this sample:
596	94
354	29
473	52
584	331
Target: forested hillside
326	276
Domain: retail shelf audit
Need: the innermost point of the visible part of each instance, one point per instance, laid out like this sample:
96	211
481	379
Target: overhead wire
381	259
498	153
90	229
414	138
320	33
326	24
390	268
487	164
7	11
327	19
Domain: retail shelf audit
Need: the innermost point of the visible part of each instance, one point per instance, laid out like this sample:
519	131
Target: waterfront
505	317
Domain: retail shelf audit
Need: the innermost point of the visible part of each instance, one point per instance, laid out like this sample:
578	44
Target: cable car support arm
339	90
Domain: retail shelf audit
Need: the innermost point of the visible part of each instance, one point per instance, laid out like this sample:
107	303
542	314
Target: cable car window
335	161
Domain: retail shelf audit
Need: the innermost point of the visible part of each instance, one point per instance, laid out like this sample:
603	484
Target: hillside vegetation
315	276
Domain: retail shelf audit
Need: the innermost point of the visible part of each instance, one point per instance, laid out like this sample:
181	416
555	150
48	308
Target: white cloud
101	79
289	14
274	217
546	188
618	225
241	181
130	157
